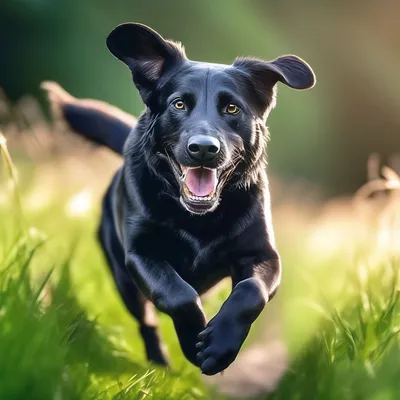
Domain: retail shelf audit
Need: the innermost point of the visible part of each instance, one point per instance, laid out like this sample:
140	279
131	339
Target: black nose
203	148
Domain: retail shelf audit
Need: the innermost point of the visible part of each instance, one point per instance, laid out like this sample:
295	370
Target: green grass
352	353
65	334
51	348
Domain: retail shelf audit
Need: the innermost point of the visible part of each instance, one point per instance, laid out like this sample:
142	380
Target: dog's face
208	119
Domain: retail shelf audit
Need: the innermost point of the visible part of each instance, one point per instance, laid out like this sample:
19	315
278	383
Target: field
330	333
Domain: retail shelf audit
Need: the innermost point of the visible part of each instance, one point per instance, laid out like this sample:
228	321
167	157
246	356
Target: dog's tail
95	120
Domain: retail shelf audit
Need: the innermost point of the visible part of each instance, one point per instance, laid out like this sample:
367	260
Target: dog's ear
145	52
290	70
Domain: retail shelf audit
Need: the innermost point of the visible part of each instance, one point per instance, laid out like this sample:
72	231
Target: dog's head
208	119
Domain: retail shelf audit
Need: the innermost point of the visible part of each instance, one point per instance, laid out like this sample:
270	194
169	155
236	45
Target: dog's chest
205	264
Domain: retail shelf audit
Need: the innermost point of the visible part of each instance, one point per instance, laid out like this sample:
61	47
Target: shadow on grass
48	344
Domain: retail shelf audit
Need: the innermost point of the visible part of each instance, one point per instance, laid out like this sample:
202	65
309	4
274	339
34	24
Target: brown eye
232	109
179	104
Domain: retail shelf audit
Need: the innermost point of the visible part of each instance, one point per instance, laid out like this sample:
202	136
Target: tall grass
65	334
353	348
351	354
50	345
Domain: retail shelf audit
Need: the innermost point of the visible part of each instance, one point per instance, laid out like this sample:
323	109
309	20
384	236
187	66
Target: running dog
190	205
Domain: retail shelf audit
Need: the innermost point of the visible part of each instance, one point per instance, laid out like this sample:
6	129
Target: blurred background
323	136
332	331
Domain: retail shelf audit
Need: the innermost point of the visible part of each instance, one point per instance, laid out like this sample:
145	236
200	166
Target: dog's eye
232	109
179	104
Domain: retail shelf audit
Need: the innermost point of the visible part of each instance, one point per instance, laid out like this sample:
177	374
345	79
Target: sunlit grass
65	334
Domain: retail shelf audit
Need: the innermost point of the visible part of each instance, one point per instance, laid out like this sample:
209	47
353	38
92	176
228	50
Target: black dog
190	205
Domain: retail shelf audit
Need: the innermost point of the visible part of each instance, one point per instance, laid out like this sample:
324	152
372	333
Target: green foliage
351	352
50	348
53	342
65	334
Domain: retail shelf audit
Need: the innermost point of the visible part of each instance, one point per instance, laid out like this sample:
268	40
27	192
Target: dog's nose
203	148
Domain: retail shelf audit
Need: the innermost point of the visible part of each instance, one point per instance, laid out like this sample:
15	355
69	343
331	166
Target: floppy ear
145	52
290	70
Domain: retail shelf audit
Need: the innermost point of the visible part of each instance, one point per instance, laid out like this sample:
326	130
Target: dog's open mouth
199	183
199	189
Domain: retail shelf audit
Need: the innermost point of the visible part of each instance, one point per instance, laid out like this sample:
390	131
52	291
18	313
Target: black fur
164	245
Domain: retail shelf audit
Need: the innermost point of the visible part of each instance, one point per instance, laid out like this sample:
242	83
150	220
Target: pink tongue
200	181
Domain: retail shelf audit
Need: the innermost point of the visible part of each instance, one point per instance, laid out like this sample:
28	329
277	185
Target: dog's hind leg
143	310
135	302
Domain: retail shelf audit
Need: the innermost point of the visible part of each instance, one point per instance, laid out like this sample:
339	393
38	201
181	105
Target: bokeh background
332	331
323	136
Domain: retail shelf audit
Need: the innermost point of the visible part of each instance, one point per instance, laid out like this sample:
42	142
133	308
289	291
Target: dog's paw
219	343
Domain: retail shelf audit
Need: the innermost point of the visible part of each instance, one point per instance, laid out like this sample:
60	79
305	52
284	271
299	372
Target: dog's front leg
255	283
172	295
